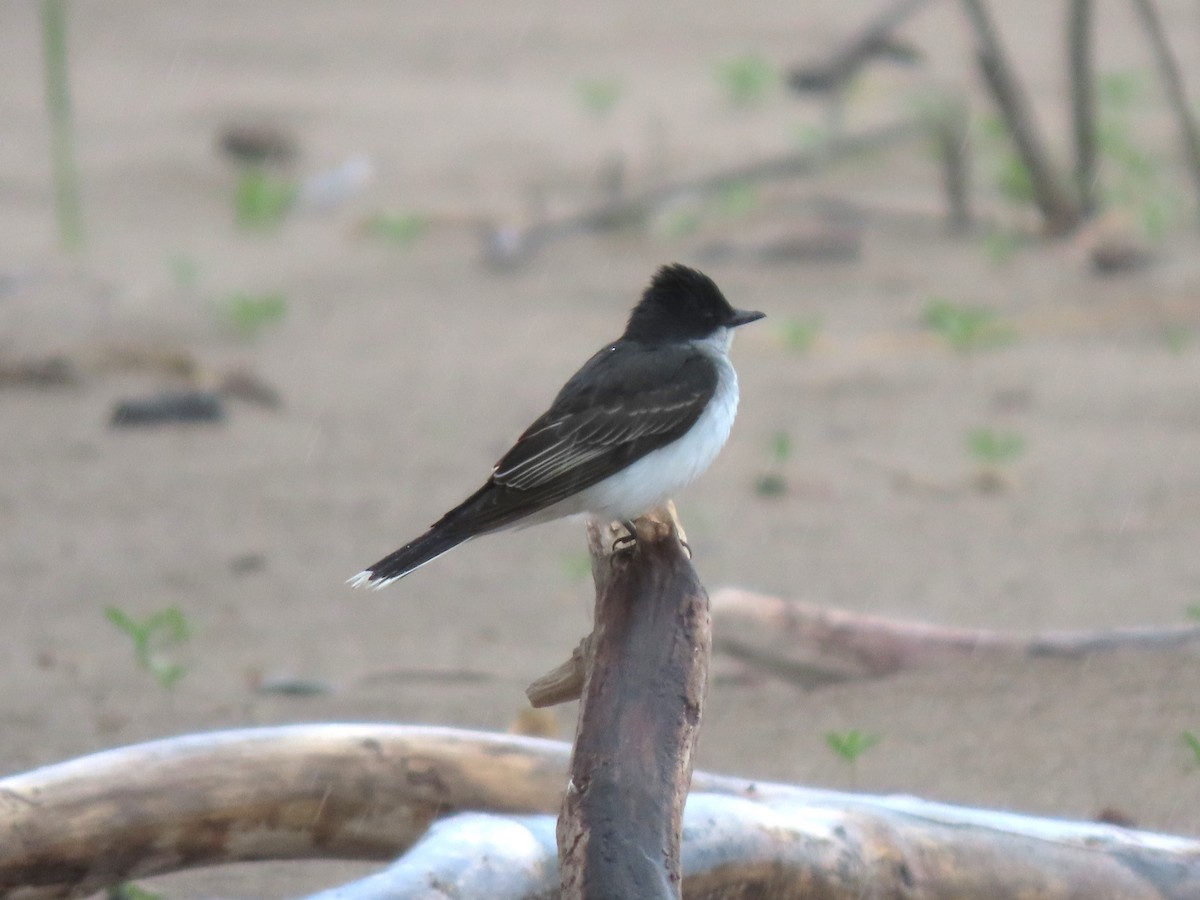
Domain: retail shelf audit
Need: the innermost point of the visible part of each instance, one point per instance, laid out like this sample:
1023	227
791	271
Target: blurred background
279	281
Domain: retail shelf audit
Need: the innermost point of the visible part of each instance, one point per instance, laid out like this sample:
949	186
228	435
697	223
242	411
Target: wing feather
652	396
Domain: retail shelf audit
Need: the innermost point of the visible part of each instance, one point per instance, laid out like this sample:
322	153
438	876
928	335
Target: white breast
660	474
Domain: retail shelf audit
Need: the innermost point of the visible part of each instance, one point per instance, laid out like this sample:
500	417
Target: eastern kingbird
642	419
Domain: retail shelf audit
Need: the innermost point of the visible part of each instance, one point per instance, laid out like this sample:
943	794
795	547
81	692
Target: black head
682	304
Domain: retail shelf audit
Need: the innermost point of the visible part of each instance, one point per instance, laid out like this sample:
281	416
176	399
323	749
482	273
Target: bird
643	418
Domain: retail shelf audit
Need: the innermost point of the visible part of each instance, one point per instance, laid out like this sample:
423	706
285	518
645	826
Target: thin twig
1172	79
873	40
507	246
1083	100
1059	210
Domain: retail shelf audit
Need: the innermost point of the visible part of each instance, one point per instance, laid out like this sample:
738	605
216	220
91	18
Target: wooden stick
1083	100
369	792
639	717
1059	210
816	645
1172	79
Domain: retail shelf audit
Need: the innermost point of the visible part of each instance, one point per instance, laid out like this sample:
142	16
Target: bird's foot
626	543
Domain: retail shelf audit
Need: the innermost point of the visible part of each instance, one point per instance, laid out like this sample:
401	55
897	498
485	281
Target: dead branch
509	246
1059	210
874	40
1172	79
1083	100
815	645
369	792
645	673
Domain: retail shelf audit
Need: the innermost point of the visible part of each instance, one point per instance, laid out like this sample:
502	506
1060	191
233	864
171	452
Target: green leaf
745	80
850	745
966	328
261	200
249	313
130	891
599	95
399	228
1192	742
993	447
800	334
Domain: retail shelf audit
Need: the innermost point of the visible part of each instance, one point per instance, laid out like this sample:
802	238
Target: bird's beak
744	317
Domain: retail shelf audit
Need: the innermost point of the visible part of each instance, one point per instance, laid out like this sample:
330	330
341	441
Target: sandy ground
406	370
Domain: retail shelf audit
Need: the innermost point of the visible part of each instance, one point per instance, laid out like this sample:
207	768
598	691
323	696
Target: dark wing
625	402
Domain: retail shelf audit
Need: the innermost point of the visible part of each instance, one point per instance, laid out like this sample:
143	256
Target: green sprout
848	746
966	328
130	891
399	228
807	136
153	637
1133	181
261	199
772	482
1192	742
737	199
678	221
1193	611
799	335
184	271
62	134
598	96
1176	338
992	447
1001	244
248	313
745	80
577	566
1009	171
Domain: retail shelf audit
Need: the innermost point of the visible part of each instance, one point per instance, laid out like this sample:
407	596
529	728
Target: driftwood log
814	645
372	791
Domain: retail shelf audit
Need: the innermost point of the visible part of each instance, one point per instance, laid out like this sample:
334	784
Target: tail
437	540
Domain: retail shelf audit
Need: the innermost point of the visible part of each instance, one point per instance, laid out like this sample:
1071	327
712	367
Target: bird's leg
627	542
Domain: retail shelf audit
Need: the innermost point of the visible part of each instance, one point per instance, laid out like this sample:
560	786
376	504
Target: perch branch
644	680
369	792
815	645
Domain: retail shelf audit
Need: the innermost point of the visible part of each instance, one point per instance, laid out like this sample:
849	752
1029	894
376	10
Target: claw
626	542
